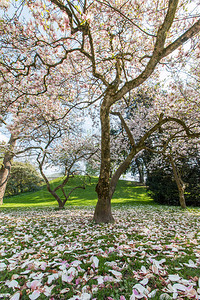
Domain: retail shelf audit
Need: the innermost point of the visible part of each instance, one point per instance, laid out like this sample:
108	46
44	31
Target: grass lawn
150	252
126	192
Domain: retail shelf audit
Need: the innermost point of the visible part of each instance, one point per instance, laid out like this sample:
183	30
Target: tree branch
159	50
125	17
164	121
125	126
182	39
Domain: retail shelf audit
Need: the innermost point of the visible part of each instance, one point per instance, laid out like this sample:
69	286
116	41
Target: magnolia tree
28	122
104	50
179	119
26	107
173	136
65	154
178	147
29	99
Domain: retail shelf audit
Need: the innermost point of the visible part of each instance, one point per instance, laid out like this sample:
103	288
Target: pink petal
34	295
35	284
16	296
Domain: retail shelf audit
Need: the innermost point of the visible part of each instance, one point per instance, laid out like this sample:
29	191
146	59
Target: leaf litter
149	253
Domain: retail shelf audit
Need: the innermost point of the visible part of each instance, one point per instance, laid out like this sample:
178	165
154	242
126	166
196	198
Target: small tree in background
66	152
23	178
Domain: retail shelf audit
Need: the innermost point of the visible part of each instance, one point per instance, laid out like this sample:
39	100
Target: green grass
126	193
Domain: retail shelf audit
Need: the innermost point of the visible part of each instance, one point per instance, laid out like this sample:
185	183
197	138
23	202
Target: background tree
65	154
22	178
29	99
7	155
171	137
26	107
28	126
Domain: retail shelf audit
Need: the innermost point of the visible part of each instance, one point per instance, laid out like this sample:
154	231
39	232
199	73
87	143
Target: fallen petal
174	277
34	295
165	297
116	273
180	287
13	284
86	296
16	296
144	281
152	294
35	284
3	266
64	291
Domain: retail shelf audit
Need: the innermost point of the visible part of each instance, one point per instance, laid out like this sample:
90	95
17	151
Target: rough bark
103	208
103	212
6	167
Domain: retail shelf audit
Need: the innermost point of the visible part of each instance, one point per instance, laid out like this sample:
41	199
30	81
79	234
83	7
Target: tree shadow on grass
131	194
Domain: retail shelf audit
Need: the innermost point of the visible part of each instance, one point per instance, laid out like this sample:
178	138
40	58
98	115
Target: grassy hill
127	192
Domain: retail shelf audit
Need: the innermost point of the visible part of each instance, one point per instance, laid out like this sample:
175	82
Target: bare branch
159	50
125	17
125	126
164	121
182	39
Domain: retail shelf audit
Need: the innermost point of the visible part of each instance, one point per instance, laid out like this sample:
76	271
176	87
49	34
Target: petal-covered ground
149	253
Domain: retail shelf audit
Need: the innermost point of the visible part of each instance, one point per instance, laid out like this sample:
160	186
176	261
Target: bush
192	177
23	178
163	189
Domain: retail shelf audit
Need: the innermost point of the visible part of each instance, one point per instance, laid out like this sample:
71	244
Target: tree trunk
106	186
182	197
103	212
180	184
4	172
6	167
61	204
140	168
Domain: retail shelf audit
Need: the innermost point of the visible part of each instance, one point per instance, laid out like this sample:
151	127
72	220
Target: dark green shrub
23	178
192	178
163	189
